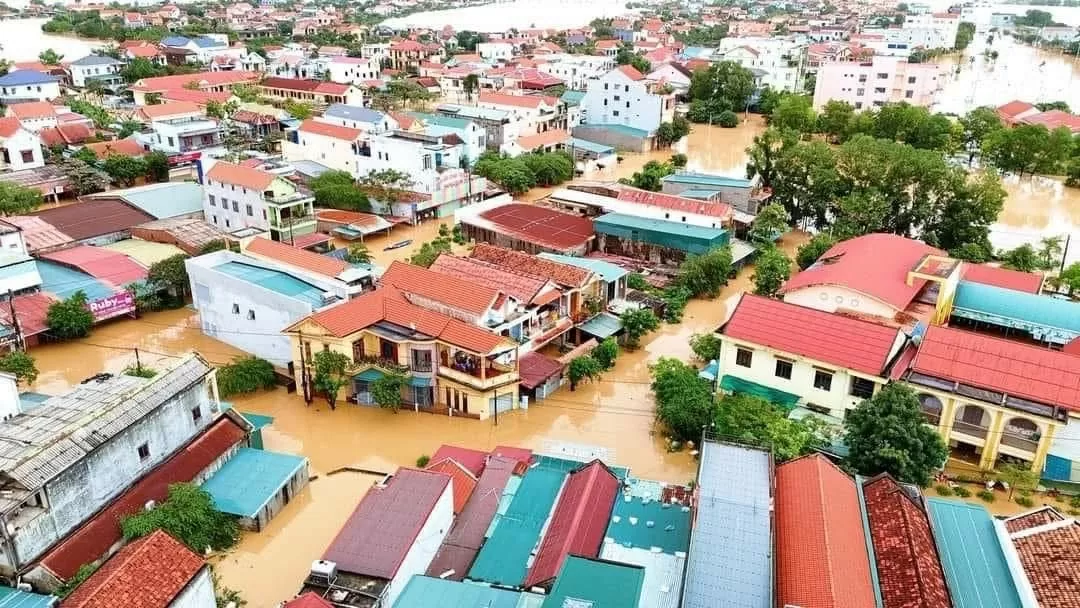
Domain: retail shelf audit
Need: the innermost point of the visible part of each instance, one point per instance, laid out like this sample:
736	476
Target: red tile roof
347	217
308	600
169	109
149	573
378	534
1030	282
100	263
821	558
986	362
875	265
123	147
1014	108
304	241
32	109
578	522
520	101
535	368
9	125
464	481
542	226
473	460
520	286
88	219
521	455
722	211
142	51
1054	119
304	84
909	570
1052	564
1033	519
450	290
519	261
239	175
200	97
300	258
630	72
843	341
547	138
94	538
328	130
204	79
69	134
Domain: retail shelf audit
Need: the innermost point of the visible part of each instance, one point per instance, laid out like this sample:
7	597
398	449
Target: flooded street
1038	207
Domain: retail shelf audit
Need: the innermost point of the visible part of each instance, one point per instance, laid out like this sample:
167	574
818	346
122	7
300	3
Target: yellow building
453	367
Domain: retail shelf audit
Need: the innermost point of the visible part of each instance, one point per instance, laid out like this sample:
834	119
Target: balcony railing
364	361
294	222
494	377
1020	442
933	418
973	430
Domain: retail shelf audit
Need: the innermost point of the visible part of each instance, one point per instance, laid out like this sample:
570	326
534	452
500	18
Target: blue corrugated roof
250	479
175	41
603	325
357	113
971	555
166	200
1045	317
591	146
706	179
24	77
274	280
425	592
13	598
637	523
625	130
63	282
207	42
608	271
698	194
96	60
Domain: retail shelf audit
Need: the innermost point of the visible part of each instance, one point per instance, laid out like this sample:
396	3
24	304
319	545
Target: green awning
603	325
369	375
784	399
420	381
257	420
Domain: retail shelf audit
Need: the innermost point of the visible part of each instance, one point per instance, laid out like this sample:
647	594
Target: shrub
1074	502
245	375
70	318
20	365
606	352
422	461
140	371
1024	501
728	119
962	492
635	280
69	586
986	495
189	515
943	490
1073	512
966	479
1026	493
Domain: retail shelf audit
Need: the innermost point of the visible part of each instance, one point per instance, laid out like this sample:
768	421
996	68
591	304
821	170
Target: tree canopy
771	269
330	367
188	515
724	80
16	199
888	434
70	318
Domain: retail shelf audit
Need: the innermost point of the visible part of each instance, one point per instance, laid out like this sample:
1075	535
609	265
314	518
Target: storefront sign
187	157
113	306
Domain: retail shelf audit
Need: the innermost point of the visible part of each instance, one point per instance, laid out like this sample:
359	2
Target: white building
356	117
95	67
625	97
781	59
28	85
495	51
422	157
184	135
331	145
246	301
240	197
353	70
932	30
19	149
576	70
874	83
532	113
18	271
35	116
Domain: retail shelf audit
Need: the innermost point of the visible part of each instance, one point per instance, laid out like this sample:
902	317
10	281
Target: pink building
877	82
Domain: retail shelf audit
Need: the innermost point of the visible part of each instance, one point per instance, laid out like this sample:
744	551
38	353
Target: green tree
298	109
170	273
358	254
124	170
1047	106
430	251
813	249
771	269
678	161
971	252
795	112
706	346
549	169
157	166
212	246
188	515
512	174
20	365
1018	476
1070	278
651	177
965	33
753	420
770	223
1049	250
330	367
245	375
704	275
140	68
471	84
684	401
888	434
82	177
834	119
50	57
16	199
763	155
70	318
69	586
86	155
585	367
1024	258
977	125
727	119
606	352
724	80
386	391
637	322
1019	149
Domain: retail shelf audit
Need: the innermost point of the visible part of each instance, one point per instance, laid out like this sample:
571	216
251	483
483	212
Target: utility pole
138	363
20	343
496	407
1064	253
303	371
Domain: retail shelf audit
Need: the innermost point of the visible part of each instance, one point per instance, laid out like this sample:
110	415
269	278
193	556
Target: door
502	403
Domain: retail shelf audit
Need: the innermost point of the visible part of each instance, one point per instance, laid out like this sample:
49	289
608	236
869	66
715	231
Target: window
860	92
818	408
235	309
861	388
783	369
858	105
627	88
144	451
628	105
605	101
211	199
214	217
882	75
236	206
744	357
251	315
249	211
909	94
615	113
170	142
822	380
911	80
27	156
879	90
227	223
196	414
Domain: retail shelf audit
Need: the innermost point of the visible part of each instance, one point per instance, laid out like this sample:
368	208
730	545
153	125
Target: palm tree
1049	250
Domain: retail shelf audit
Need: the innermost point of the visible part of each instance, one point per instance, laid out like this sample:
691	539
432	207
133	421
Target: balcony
293	223
494	375
972	430
289	198
362	362
1020	442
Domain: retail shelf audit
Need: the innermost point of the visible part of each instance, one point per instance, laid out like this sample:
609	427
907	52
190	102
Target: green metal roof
573	98
257	421
596	584
170	199
637	523
13	598
250	479
705	179
591	146
369	375
603	325
665	233
607	271
971	555
739	386
425	592
625	130
1044	317
274	280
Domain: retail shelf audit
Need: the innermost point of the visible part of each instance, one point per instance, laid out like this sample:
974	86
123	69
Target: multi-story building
422	157
206	82
99	68
318	92
180	128
369	121
496	50
28	85
874	83
624	97
931	30
499	125
472	134
353	70
533	113
777	62
577	70
407	55
331	145
243	197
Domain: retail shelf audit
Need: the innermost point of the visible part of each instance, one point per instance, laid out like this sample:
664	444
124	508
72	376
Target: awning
369	375
710	371
602	325
420	381
745	387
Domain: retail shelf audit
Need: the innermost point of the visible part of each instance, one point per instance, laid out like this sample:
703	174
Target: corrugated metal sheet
663	573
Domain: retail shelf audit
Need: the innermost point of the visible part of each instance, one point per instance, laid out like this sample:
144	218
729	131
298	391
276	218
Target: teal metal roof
250	479
971	554
676	235
13	598
63	282
607	271
274	280
734	384
425	592
459	124
1044	317
257	421
705	179
568	466
369	375
698	194
637	523
596	584
602	326
170	199
573	98
591	146
623	129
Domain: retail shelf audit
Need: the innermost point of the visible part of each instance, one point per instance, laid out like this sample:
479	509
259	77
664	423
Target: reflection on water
23	40
520	14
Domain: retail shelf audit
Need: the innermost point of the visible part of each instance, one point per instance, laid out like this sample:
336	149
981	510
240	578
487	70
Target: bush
585	367
1024	501
245	375
1025	492
606	352
70	318
728	119
189	515
962	492
422	461
140	371
943	490
635	280
1074	502
20	365
69	586
676	299
684	401
986	495
706	346
637	322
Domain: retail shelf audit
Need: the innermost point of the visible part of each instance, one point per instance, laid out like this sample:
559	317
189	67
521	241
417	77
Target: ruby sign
114	305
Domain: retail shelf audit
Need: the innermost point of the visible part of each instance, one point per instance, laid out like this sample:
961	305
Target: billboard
112	306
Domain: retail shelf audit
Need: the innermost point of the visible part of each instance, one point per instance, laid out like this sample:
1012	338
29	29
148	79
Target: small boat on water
398	245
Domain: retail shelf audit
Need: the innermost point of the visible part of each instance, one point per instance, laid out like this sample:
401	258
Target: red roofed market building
318	92
530	228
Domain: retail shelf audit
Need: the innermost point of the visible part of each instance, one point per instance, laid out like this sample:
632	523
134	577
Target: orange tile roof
328	130
172	108
675	203
9	125
521	101
347	217
446	289
821	557
522	287
547	138
32	110
300	258
209	79
519	261
239	175
199	97
464	482
123	147
1051	562
144	51
631	72
149	573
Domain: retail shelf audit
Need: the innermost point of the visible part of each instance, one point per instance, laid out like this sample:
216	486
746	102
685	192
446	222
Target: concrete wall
88	485
615	99
329	151
619	141
830	298
9	396
198	594
425	546
293	487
